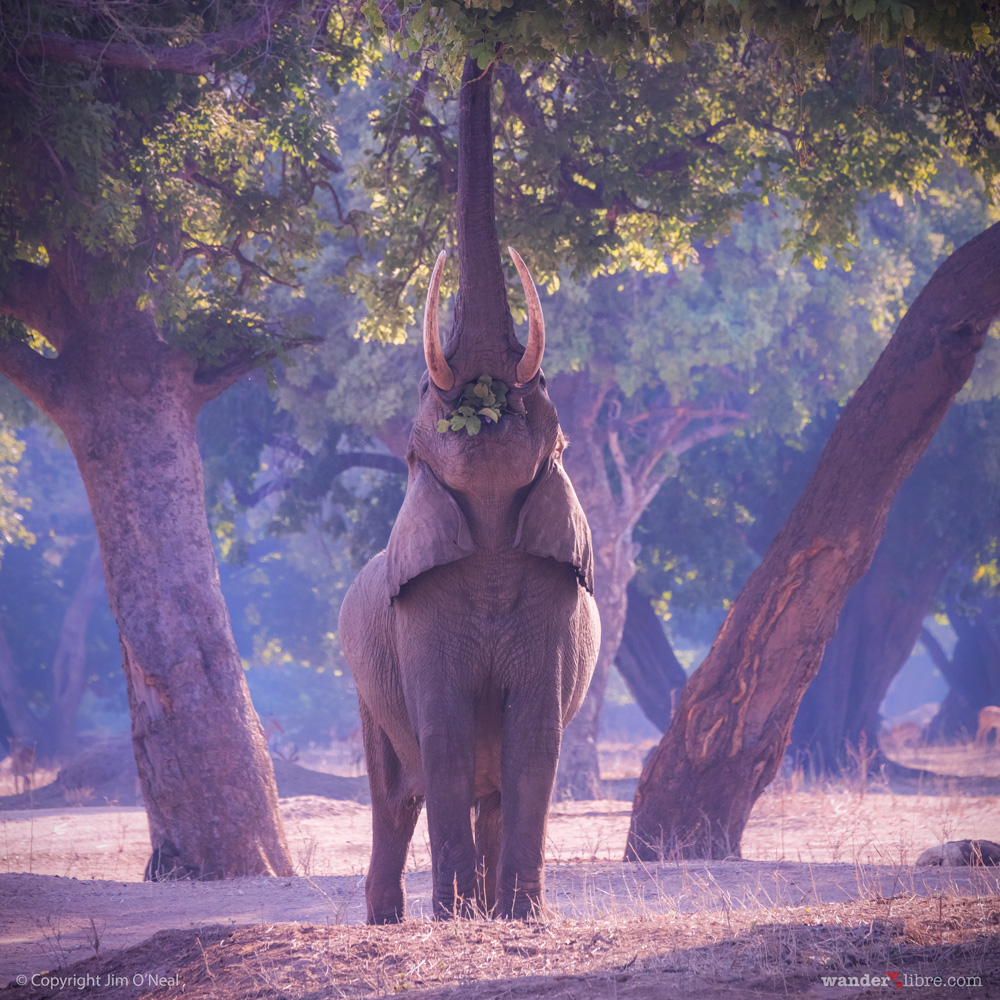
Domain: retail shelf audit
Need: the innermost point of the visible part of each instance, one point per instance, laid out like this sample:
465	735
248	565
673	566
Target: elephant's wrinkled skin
472	639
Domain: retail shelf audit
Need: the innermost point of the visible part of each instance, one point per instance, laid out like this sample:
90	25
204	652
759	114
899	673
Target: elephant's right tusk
439	369
531	360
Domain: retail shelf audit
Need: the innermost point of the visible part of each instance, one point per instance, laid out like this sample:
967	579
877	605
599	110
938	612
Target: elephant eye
541	381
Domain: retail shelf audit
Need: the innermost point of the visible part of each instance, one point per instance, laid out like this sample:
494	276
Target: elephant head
511	466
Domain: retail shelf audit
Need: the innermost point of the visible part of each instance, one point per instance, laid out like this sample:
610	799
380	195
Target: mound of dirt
105	773
294	780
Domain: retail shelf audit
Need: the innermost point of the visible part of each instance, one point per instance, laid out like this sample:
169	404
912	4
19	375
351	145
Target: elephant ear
552	523
430	529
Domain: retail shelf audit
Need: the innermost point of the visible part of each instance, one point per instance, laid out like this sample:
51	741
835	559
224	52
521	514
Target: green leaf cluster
199	194
484	399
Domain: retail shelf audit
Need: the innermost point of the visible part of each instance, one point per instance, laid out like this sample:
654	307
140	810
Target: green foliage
527	31
484	399
606	165
12	506
198	192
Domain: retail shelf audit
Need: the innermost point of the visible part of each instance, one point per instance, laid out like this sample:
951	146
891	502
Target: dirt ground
826	887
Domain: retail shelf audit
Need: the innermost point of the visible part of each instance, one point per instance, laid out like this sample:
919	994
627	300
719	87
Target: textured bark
647	662
878	629
727	739
127	403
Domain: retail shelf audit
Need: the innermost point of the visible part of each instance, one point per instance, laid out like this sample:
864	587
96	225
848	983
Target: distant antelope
22	764
989	722
271	728
905	734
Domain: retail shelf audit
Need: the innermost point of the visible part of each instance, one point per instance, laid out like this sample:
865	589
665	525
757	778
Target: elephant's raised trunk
482	340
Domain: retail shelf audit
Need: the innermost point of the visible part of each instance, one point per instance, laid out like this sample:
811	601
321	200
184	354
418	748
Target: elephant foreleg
528	772
447	750
394	816
488	827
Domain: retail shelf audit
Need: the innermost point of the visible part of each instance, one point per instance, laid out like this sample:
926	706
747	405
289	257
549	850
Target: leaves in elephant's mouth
484	399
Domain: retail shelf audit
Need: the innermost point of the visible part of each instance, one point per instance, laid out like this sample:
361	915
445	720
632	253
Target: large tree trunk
579	404
878	629
127	402
727	739
647	662
613	512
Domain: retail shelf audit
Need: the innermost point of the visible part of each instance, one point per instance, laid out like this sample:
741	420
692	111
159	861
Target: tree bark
879	626
727	739
127	403
647	663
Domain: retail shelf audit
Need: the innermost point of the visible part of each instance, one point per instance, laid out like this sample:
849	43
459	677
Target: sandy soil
827	874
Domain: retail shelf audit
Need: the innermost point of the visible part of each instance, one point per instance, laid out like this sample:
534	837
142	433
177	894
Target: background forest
721	274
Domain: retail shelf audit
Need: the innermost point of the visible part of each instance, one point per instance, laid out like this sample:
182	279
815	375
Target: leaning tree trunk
647	662
735	715
127	403
878	629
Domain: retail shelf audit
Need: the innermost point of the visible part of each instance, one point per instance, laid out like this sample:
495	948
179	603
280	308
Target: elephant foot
524	904
385	907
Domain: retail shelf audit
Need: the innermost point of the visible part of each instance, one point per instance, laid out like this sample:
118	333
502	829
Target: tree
735	715
157	178
913	570
721	125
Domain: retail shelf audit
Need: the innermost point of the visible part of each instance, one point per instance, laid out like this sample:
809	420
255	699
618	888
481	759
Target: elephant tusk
440	371
531	360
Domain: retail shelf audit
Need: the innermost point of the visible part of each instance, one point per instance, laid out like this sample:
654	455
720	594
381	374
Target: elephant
473	636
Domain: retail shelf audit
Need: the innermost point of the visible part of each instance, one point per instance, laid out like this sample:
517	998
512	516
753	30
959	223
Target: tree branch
515	97
211	380
195	59
31	298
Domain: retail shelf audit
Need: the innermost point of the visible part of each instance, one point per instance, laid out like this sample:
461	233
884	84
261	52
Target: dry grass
763	952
